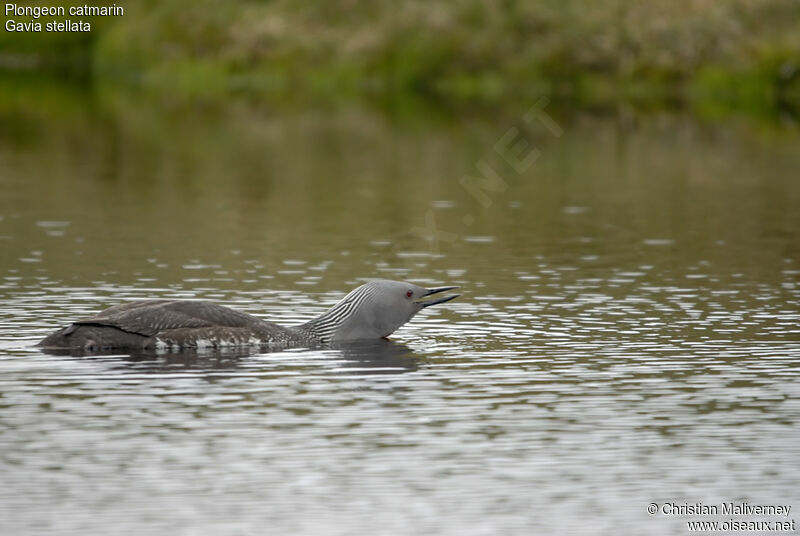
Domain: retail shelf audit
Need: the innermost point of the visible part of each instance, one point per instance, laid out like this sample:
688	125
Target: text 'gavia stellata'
373	310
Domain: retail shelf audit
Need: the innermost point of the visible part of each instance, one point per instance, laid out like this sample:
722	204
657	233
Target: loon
374	310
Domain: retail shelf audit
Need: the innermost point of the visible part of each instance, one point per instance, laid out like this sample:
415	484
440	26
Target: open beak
435	301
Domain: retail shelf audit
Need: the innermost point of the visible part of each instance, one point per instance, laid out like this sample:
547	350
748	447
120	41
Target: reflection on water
369	357
628	329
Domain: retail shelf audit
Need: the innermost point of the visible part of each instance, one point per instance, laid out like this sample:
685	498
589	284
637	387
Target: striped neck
325	327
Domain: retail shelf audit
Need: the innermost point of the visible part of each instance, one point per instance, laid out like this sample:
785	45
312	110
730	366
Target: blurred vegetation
713	56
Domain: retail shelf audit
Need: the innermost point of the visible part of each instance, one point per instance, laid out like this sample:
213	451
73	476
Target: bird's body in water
373	310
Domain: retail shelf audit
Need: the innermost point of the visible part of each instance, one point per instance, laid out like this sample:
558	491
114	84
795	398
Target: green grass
712	56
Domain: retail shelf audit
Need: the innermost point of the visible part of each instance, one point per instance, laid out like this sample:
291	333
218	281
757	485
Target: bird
374	310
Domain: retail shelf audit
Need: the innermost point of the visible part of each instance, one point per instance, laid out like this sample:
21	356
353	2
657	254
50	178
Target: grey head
374	310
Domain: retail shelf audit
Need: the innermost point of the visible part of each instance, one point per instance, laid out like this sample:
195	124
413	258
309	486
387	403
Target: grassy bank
710	55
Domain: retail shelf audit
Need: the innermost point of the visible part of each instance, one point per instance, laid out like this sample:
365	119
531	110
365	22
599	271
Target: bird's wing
150	317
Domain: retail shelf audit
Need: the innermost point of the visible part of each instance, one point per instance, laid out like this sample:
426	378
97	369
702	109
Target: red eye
409	294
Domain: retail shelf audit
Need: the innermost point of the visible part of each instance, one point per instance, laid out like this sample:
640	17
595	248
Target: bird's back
168	324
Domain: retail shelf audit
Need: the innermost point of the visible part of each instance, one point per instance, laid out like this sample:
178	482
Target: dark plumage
163	323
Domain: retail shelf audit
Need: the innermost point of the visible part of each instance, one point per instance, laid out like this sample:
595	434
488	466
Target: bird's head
377	309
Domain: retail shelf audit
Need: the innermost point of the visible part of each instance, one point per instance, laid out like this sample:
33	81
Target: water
628	331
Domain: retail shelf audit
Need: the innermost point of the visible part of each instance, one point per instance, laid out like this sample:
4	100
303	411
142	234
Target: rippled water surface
628	333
